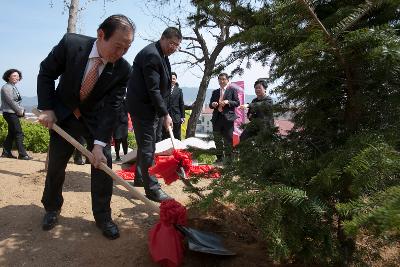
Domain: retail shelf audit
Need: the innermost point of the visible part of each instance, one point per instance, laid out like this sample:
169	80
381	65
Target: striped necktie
90	79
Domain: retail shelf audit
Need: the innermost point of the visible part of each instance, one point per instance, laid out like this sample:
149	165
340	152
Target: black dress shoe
138	182
157	195
50	220
26	157
109	229
6	154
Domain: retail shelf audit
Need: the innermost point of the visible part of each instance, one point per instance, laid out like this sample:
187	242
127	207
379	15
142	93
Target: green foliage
295	196
3	129
378	213
36	137
337	65
131	140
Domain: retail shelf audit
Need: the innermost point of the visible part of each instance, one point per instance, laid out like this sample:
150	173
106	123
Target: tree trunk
198	104
73	16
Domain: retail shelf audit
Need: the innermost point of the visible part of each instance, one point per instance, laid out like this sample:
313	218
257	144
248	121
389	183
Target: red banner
241	116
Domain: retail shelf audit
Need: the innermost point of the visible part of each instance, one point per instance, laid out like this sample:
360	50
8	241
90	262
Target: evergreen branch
357	14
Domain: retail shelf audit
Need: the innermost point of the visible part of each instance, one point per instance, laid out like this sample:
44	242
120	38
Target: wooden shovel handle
103	166
182	174
171	135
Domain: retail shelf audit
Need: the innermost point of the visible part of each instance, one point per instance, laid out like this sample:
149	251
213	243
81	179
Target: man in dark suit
148	88
93	77
176	108
224	101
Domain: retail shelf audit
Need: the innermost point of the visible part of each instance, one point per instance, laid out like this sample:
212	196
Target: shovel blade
204	242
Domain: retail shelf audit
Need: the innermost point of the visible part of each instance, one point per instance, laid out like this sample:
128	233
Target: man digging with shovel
92	80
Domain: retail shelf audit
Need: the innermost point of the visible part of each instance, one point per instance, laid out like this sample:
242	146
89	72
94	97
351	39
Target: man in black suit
148	88
92	80
224	101
176	108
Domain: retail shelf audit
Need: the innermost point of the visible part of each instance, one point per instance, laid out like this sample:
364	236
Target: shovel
197	240
181	172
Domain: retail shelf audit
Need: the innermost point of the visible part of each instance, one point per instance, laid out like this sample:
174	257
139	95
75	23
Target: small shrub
36	137
131	140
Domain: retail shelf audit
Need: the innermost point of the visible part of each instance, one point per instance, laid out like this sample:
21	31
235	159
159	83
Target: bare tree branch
198	60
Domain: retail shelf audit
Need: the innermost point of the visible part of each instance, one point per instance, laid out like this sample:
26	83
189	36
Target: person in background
92	80
12	111
78	158
260	109
120	133
176	108
148	88
224	101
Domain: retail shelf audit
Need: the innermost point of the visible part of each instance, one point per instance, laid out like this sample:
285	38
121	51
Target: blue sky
30	28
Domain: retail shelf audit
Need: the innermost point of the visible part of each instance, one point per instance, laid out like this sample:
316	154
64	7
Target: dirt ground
76	241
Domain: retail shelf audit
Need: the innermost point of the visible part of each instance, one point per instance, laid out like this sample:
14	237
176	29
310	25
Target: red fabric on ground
165	242
166	166
208	171
127	174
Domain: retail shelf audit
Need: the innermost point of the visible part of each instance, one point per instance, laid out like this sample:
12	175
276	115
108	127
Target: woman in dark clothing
120	134
12	111
260	111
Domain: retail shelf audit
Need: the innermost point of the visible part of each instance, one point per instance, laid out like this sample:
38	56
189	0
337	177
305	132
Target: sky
30	28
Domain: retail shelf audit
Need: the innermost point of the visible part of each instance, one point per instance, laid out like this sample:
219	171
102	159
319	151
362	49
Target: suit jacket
67	61
11	100
150	83
228	111
121	125
261	109
123	113
176	107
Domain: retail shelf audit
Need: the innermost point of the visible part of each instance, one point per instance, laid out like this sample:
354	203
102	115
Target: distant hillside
29	102
189	96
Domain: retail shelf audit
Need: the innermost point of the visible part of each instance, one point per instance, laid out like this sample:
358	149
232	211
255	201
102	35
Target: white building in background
204	125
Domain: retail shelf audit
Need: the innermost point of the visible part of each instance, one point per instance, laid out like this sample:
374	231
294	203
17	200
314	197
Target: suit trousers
145	134
176	130
223	136
59	154
160	131
14	133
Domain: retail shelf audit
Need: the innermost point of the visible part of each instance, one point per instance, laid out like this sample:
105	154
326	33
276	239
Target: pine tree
338	64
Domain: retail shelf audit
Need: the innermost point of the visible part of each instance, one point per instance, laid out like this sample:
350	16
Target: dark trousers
118	142
176	131
160	130
145	134
14	133
59	153
77	153
223	136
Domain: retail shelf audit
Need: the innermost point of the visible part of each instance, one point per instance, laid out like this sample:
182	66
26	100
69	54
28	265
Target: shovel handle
103	166
171	135
182	174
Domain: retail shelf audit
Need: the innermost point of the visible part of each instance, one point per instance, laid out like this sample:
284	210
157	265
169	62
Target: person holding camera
12	111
